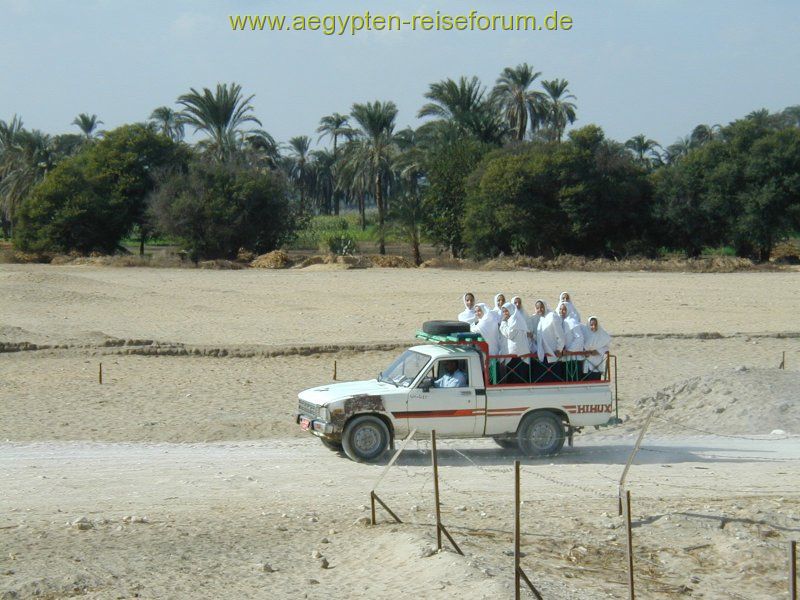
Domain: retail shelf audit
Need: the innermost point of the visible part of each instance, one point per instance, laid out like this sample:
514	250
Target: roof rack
452	338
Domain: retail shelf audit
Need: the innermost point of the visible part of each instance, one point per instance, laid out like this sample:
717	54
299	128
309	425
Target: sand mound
219	264
277	259
389	261
737	402
443	262
332	261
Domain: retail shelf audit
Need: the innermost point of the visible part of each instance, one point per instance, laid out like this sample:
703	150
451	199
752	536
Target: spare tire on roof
445	327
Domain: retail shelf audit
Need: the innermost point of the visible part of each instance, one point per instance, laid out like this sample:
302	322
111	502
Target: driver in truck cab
453	376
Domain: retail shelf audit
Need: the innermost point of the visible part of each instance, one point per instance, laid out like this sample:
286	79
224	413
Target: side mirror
426	384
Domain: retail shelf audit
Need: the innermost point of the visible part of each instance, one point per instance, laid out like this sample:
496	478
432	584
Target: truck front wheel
365	438
541	434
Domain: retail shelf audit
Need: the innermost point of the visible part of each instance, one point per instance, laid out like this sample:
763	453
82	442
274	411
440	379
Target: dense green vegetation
489	172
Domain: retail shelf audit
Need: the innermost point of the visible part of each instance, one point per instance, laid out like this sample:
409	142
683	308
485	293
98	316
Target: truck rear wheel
541	434
365	438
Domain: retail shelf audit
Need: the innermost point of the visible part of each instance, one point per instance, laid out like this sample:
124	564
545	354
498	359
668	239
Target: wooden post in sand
519	574
793	570
100	374
630	543
435	461
334	370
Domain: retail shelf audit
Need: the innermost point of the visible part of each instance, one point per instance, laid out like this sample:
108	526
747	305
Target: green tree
88	202
323	181
216	208
220	114
168	122
558	110
27	156
520	104
770	199
449	156
465	104
299	170
373	151
335	126
644	149
585	195
87	124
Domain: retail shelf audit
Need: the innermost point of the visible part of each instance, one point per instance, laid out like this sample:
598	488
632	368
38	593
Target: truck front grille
308	409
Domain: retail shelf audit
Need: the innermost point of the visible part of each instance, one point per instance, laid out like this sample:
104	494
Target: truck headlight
324	414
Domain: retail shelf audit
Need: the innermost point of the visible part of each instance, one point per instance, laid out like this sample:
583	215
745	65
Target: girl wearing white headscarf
550	338
487	326
571	310
468	316
573	346
596	344
523	314
540	310
497	309
573	331
514	330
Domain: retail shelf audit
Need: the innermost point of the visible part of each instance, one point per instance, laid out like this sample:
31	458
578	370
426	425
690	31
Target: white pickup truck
365	417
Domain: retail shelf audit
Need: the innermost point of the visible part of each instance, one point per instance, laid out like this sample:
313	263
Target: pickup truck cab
365	417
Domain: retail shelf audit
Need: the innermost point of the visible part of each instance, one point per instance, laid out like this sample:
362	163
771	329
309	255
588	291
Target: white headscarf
573	332
549	337
515	331
533	321
521	311
571	310
496	309
596	340
468	316
487	327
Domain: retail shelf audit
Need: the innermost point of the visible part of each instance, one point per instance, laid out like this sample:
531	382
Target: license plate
305	423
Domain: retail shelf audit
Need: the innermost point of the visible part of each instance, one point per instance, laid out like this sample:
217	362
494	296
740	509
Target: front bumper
315	425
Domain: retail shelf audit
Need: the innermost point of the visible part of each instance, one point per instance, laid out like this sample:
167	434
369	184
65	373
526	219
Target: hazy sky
657	67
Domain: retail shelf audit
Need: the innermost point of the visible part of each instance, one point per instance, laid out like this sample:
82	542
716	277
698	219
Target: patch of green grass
720	251
322	228
158	241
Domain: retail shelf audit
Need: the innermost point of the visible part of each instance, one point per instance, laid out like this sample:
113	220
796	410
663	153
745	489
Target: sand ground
191	475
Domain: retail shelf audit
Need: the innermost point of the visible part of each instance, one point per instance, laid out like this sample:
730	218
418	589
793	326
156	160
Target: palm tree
299	171
374	151
519	103
679	149
9	133
641	147
335	126
464	103
702	134
87	124
220	115
261	150
352	178
322	179
408	209
791	115
559	110
168	122
24	164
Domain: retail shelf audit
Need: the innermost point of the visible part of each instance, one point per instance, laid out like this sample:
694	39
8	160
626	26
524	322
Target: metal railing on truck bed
527	370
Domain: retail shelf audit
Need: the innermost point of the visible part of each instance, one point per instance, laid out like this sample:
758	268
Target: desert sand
183	475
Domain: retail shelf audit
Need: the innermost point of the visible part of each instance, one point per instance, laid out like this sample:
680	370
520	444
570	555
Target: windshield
405	368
